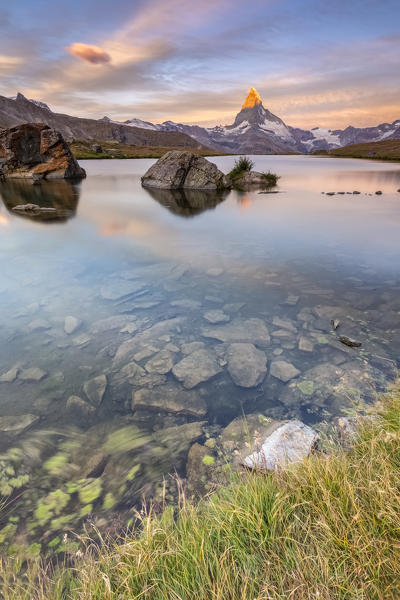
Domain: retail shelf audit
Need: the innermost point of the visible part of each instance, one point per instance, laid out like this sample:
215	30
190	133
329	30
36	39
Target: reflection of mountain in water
187	203
61	197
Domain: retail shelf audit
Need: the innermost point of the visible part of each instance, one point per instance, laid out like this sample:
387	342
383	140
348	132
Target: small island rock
180	169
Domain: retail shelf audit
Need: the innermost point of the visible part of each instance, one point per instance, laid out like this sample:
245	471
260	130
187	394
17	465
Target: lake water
121	311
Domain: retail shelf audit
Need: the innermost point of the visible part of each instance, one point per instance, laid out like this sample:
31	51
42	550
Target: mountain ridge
21	110
255	130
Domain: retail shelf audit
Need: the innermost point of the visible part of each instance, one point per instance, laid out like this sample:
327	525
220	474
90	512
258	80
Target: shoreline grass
327	529
386	150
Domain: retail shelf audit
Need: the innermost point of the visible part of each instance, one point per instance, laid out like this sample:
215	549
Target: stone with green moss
306	387
109	501
86	510
51	505
61	522
55	464
125	439
89	490
132	472
72	487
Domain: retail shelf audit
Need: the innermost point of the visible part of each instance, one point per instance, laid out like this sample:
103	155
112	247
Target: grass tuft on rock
270	178
242	165
329	528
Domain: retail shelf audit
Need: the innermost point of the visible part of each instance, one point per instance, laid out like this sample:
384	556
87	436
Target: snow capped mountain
255	130
258	131
141	124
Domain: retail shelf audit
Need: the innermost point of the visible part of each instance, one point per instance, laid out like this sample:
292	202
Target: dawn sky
314	62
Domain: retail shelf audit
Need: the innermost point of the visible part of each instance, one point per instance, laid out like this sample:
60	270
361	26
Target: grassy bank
83	150
385	150
328	529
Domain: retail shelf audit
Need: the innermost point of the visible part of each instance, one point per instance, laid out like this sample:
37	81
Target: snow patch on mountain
323	134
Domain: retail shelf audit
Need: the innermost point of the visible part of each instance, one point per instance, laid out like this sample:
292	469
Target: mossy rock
55	465
51	505
125	439
89	490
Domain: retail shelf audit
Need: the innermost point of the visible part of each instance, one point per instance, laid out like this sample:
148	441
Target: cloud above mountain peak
91	54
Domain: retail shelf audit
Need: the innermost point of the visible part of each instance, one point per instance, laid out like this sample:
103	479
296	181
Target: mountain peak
252	99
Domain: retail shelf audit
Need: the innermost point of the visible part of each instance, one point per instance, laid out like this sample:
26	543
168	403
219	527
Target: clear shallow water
140	272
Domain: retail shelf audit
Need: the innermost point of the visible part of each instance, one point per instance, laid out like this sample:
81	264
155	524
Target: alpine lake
127	315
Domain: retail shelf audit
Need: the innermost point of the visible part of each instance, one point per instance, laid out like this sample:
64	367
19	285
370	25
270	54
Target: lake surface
123	315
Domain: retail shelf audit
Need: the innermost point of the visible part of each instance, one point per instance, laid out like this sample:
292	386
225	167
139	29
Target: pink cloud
92	54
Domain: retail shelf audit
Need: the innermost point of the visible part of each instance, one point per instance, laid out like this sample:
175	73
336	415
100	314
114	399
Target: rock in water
36	151
179	169
283	370
246	365
169	399
196	368
17	424
95	389
252	331
288	444
71	324
349	341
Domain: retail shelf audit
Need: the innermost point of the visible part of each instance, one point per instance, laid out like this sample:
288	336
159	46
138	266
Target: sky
314	62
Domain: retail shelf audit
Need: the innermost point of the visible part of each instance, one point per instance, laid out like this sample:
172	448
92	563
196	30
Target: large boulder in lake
36	151
185	170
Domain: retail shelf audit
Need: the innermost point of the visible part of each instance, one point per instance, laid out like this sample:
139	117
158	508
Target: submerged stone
283	370
111	323
95	389
145	338
115	289
246	365
71	324
327	383
76	405
160	363
187	303
216	316
305	345
199	470
32	374
17	423
196	368
170	399
10	375
253	331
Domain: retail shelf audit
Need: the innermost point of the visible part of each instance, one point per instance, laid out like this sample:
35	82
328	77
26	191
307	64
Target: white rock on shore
290	443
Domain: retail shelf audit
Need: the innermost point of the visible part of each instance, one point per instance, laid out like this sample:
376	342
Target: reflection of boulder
181	169
187	203
36	152
50	201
